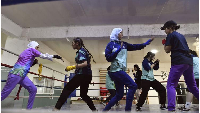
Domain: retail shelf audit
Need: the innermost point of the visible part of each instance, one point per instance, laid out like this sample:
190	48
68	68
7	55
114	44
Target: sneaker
118	105
138	108
185	109
163	107
182	107
55	109
172	111
95	111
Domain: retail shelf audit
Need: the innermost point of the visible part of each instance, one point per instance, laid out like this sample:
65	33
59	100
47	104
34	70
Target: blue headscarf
114	34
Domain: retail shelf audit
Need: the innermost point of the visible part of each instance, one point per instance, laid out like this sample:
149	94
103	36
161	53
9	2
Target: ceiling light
154	51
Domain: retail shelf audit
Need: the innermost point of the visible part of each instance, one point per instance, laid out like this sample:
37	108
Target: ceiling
101	12
97	47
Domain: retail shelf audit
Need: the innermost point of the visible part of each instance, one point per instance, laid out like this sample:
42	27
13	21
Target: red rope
61	80
17	96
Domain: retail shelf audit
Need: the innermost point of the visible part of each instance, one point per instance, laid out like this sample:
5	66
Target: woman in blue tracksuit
116	53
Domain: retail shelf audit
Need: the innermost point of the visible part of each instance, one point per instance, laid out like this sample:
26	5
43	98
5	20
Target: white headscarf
114	34
32	44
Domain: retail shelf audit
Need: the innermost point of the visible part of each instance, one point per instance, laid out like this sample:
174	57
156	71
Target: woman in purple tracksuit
18	74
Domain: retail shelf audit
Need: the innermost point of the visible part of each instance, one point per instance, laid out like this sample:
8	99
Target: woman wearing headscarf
18	74
116	53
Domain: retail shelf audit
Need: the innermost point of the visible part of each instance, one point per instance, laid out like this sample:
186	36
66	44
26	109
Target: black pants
78	80
112	94
139	84
146	84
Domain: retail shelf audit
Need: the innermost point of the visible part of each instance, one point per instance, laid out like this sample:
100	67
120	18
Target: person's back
179	49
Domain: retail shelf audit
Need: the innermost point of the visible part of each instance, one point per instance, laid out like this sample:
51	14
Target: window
43	84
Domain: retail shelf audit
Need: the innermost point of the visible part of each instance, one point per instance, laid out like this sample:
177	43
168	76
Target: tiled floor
83	108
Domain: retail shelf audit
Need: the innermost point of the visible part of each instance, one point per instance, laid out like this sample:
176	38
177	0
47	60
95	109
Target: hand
34	62
58	57
149	41
163	41
68	68
152	66
156	62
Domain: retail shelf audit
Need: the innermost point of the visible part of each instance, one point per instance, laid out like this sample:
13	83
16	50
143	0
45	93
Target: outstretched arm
132	47
36	53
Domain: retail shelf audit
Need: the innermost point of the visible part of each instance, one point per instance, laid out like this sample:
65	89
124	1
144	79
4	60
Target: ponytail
90	55
80	41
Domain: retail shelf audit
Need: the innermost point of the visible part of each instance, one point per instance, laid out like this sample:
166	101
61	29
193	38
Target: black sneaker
95	111
172	111
138	108
163	107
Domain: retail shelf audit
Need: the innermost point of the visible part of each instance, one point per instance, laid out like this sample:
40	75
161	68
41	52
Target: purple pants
175	73
25	82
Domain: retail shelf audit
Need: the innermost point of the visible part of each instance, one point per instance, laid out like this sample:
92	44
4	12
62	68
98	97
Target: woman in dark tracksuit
116	53
148	81
138	81
82	78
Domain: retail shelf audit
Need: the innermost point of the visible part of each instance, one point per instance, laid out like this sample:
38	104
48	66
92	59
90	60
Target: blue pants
121	78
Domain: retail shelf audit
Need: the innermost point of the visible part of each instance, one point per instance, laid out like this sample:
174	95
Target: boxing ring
48	101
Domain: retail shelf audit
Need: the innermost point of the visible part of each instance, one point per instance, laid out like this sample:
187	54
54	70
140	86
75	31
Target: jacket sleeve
145	65
132	47
109	54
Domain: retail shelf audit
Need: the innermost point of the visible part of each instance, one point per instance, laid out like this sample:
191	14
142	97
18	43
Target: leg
137	93
84	90
160	89
112	94
32	89
190	81
119	91
68	89
11	82
175	73
132	86
145	89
